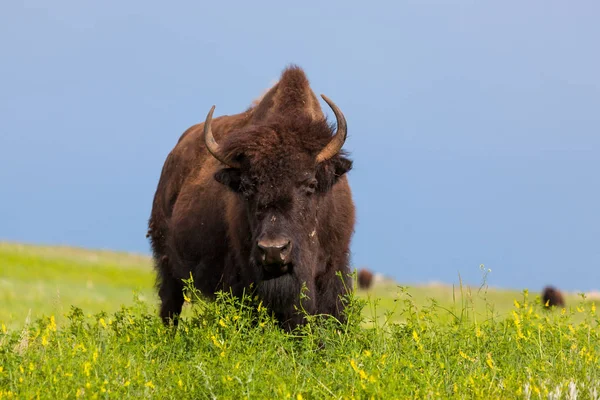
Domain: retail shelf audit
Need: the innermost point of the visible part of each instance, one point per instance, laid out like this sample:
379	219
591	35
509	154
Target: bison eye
311	186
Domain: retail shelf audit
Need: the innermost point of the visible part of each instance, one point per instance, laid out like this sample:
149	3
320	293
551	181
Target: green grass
89	336
48	280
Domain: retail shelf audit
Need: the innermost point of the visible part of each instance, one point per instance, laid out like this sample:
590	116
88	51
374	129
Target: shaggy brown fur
552	297
365	278
206	217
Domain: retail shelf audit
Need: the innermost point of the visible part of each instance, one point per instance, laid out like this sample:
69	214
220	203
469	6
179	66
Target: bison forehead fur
258	199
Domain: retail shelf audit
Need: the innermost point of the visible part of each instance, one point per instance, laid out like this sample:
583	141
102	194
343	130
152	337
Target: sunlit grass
423	342
48	280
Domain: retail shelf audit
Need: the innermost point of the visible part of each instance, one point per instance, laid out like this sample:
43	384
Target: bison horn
212	145
335	144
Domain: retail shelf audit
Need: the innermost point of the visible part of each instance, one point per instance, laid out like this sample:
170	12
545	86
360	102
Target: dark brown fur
552	297
365	278
206	217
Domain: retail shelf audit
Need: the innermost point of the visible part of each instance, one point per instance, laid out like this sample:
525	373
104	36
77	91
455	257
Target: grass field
78	323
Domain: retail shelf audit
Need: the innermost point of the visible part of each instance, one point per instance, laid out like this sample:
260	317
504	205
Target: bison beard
258	199
280	295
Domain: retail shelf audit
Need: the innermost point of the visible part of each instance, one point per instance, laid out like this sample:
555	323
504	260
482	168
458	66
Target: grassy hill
39	280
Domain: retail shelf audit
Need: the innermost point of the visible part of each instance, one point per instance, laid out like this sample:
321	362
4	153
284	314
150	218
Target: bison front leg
330	290
171	296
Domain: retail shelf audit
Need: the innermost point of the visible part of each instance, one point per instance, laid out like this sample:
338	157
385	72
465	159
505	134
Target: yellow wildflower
417	340
1	369
4	329
187	298
518	326
86	368
299	397
215	341
149	384
180	383
466	357
102	322
593	309
222	323
127	383
52	324
367	353
489	361
415	336
80	347
95	356
517	305
44	341
517	319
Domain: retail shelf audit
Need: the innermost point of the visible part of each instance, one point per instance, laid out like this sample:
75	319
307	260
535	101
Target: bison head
283	171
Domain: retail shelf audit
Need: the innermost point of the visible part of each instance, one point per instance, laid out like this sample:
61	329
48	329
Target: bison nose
275	252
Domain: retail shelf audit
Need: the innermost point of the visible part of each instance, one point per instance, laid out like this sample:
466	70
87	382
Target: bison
365	278
552	297
258	200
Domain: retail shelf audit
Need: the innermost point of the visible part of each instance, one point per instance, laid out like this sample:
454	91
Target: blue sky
474	126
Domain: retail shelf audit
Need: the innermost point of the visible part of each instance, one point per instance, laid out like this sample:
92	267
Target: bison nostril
274	251
285	250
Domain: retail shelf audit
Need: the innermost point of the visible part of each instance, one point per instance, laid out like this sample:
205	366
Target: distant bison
260	198
552	297
365	278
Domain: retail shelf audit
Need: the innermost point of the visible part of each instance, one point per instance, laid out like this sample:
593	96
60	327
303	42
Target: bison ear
229	177
341	165
330	171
